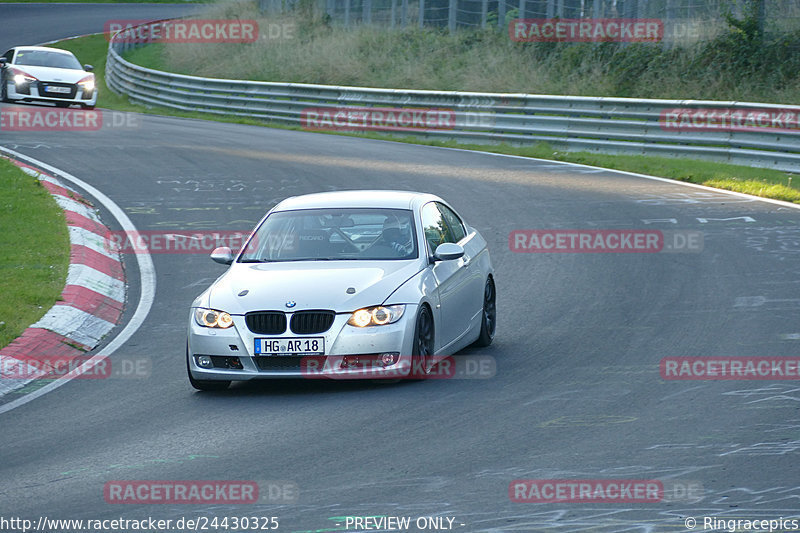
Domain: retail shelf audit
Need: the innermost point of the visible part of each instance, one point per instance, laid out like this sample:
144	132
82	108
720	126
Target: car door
473	246
452	280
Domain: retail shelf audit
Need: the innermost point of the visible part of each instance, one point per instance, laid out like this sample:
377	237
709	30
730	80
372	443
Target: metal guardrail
571	123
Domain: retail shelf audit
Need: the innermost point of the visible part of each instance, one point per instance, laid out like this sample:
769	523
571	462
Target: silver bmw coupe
344	285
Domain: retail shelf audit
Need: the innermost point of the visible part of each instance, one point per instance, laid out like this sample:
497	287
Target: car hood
63	75
311	285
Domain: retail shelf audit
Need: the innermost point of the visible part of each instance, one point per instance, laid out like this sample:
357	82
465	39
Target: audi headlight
22	78
211	318
87	84
376	316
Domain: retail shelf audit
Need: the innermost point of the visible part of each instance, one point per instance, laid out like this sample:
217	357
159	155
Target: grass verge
34	251
305	46
766	183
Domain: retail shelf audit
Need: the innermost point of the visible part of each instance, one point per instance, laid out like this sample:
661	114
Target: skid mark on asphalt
772	392
99	470
684	198
586	421
211	184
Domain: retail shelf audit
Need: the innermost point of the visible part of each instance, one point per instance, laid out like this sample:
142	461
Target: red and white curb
93	298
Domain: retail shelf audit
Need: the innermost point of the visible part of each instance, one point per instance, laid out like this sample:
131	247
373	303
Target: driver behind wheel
396	237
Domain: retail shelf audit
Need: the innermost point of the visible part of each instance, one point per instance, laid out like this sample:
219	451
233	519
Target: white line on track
147	275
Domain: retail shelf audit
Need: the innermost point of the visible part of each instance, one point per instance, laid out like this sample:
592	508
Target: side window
434	226
457	231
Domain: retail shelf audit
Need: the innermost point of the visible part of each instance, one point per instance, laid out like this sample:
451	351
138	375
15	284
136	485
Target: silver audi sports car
42	74
344	285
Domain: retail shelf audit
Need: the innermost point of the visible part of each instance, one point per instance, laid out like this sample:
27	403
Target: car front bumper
33	92
350	352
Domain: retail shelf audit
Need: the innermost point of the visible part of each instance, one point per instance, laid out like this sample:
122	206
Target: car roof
356	199
42	49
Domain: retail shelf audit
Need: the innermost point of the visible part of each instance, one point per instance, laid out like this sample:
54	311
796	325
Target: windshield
334	234
43	58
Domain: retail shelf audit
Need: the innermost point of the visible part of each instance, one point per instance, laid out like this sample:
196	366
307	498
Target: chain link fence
682	20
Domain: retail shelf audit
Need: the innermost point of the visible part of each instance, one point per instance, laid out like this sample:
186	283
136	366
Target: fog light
388	359
204	361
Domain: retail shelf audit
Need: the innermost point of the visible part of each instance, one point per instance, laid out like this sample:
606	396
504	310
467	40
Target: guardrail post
421	13
484	12
451	15
404	14
501	15
394	14
551	9
521	9
346	13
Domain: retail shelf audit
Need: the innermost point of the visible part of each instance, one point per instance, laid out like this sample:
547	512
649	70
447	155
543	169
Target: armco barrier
596	124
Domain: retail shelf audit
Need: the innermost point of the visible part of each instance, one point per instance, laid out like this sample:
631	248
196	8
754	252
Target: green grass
766	183
727	64
34	251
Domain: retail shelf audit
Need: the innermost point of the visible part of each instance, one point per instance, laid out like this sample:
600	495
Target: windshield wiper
255	260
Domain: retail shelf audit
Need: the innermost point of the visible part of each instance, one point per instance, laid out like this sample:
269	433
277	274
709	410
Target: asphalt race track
26	24
577	392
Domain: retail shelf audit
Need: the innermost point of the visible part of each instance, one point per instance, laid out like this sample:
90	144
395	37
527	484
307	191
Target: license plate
62	90
290	346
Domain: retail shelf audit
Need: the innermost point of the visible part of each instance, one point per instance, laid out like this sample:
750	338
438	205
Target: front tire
424	336
489	318
202	384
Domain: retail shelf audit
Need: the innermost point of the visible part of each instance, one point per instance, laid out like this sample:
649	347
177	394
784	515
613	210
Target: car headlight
87	84
21	78
211	318
376	316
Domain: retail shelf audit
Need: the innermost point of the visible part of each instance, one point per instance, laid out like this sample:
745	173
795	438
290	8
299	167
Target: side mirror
3	61
222	255
447	251
88	68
